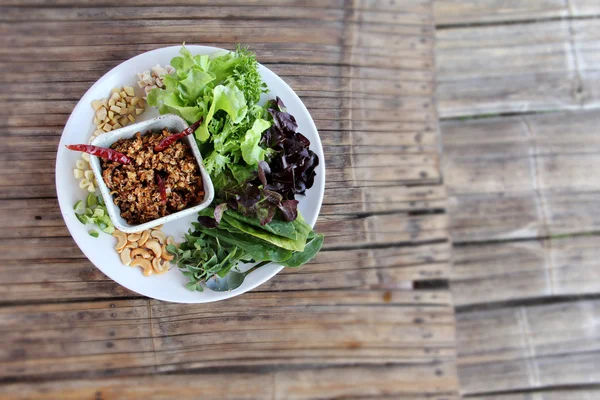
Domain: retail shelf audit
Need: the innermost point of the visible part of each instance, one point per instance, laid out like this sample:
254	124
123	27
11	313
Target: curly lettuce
224	89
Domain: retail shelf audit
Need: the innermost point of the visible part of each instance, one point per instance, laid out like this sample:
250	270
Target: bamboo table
371	316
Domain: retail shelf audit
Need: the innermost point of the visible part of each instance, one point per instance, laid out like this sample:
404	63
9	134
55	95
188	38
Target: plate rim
64	208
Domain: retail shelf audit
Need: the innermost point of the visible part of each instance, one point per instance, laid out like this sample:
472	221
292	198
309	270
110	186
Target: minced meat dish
135	187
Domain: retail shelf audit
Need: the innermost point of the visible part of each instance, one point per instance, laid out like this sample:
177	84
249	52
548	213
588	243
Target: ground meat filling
134	186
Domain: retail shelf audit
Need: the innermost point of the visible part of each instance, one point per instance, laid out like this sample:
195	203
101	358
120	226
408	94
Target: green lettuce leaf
229	99
252	153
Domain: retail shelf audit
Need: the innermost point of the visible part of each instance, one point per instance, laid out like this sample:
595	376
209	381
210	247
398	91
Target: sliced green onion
78	205
82	218
94	233
91	200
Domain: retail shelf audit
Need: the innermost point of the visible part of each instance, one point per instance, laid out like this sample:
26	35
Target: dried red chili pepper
101	152
161	187
169	140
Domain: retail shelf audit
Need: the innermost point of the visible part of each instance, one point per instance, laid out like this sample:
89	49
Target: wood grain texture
538	66
390	382
314	327
464	12
57	277
522	177
532	269
518	187
575	393
370	317
529	347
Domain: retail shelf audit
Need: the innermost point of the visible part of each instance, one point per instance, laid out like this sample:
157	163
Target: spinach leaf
276	227
294	245
311	249
258	249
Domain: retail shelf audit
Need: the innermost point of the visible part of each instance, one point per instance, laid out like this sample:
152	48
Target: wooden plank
508	68
576	393
463	12
284	384
392	268
517	68
529	347
125	336
208	13
511	271
522	177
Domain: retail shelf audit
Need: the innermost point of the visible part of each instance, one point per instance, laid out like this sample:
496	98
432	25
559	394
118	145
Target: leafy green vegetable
224	89
285	243
229	99
252	153
236	239
310	250
258	250
276	227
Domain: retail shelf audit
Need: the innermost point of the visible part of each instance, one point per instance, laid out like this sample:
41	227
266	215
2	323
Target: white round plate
100	251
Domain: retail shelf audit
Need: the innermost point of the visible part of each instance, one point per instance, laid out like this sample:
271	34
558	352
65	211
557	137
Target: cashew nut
144	237
122	237
165	254
134	237
131	245
145	264
171	240
155	247
160	267
126	256
141	252
162	238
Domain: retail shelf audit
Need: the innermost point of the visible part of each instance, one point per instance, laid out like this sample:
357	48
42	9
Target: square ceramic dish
175	124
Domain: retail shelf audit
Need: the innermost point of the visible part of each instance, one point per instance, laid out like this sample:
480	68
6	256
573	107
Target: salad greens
216	250
257	162
225	90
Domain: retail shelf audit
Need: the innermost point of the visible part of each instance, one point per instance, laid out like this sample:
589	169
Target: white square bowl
173	123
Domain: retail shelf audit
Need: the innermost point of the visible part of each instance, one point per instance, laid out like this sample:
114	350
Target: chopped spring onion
78	205
91	200
95	213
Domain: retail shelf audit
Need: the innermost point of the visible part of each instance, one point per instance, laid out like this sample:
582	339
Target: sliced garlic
78	173
96	104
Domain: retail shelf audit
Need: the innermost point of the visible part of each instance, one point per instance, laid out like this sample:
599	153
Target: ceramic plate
100	251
